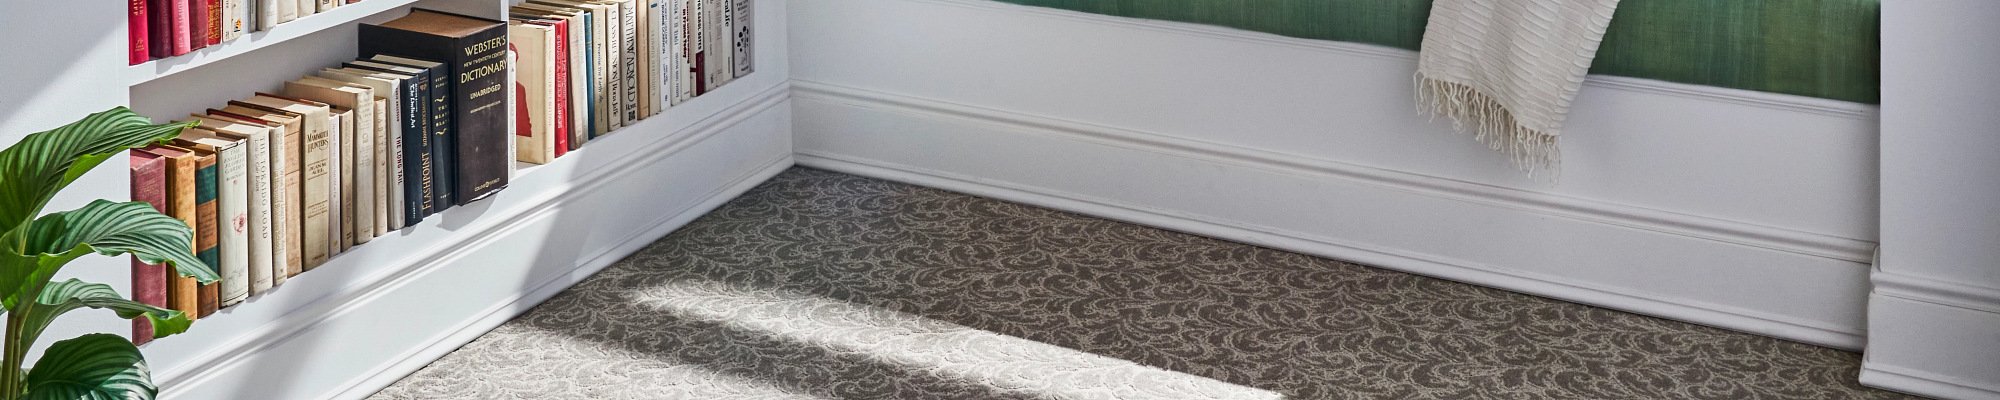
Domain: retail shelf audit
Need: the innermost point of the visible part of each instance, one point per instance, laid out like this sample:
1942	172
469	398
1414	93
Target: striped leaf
41	164
105	228
61	297
99	366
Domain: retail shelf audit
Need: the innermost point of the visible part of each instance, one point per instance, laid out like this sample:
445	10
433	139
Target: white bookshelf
386	307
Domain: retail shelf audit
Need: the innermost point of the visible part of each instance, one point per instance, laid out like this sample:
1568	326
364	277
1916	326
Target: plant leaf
105	228
95	366
41	164
62	297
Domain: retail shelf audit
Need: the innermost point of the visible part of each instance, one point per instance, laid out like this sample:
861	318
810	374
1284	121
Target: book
287	246
266	243
232	22
698	21
207	238
743	41
589	47
340	172
159	28
437	76
625	87
231	228
683	74
137	30
182	28
183	292
718	32
476	48
149	281
305	7
315	187
646	69
328	5
573	89
671	51
358	150
535	85
204	26
270	13
410	112
389	142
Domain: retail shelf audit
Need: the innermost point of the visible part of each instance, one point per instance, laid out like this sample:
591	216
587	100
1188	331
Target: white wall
388	307
1934	317
1744	210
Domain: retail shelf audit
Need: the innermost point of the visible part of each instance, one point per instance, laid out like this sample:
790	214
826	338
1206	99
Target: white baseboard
500	257
1785	283
1933	338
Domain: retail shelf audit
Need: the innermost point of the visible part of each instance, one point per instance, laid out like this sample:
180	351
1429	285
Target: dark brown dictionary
475	51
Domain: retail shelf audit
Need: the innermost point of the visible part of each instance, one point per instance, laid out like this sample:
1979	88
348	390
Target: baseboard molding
1710	93
1932	346
971	149
513	255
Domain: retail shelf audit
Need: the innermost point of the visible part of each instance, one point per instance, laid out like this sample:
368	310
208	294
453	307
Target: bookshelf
440	282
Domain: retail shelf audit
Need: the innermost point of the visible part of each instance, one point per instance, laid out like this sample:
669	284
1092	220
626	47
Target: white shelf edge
345	14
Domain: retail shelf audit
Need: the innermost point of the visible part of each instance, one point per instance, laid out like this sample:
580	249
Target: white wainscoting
1737	209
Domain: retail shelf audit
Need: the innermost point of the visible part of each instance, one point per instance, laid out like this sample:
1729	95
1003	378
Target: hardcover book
235	14
270	13
266	249
183	292
207	238
306	7
287	202
231	228
437	76
389	119
137	30
315	185
575	29
534	83
340	170
160	28
743	39
476	48
202	23
149	281
183	27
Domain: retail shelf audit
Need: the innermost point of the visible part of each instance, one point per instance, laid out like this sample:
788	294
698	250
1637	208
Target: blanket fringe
1534	152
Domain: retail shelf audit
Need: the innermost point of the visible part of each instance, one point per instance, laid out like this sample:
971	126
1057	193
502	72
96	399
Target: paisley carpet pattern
824	285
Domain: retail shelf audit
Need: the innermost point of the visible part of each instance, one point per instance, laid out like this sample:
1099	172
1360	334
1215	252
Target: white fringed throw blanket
1510	68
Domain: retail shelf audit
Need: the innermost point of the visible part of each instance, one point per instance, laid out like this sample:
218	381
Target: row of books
167	28
587	67
277	184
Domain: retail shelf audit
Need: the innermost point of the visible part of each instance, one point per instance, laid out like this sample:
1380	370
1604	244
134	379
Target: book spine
235	16
215	20
716	22
233	222
363	195
669	15
136	32
183	292
397	173
631	70
266	251
267	14
208	234
304	8
579	82
600	114
182	30
328	5
649	68
482	159
418	184
745	39
443	130
288	198
614	69
316	185
159	28
340	167
683	31
149	281
559	140
698	45
385	174
529	131
724	30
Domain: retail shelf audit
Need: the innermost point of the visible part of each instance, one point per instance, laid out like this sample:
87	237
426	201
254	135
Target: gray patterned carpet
823	285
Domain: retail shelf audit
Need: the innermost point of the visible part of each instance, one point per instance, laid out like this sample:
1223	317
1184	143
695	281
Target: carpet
824	285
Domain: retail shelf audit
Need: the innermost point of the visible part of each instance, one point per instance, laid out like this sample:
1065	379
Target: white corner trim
1934	291
479	324
1775	101
224	356
1706	228
1923	383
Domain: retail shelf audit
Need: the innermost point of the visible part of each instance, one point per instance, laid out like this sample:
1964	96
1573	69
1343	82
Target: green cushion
1819	48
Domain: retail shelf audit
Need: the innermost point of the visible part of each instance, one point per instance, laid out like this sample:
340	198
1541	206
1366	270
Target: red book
198	21
183	19
149	281
214	22
136	33
160	28
562	119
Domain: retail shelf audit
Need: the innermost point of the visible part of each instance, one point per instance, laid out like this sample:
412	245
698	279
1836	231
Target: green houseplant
33	249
